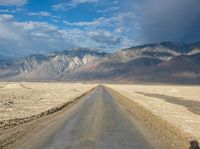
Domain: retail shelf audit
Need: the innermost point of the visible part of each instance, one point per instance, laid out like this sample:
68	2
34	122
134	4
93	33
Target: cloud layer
169	20
72	4
97	24
39	37
12	2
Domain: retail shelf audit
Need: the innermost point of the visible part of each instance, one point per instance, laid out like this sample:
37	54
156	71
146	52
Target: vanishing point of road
94	122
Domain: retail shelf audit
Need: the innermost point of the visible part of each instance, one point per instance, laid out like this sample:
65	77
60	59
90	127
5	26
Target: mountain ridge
160	62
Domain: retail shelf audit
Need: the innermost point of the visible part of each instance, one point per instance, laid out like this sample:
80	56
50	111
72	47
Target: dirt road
95	122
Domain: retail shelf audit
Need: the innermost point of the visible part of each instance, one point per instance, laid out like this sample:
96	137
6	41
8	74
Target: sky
44	26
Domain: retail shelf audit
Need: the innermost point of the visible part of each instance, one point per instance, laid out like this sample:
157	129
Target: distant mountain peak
165	61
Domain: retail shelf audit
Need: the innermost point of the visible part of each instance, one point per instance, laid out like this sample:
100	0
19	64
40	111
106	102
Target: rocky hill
47	67
161	62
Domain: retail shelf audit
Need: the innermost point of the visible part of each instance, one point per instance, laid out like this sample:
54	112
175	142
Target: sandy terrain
177	106
171	112
94	122
19	100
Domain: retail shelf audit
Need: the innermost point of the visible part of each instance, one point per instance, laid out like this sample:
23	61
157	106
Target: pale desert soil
177	105
23	105
19	100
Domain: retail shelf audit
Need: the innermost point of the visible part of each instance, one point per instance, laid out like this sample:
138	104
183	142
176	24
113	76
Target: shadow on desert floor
193	106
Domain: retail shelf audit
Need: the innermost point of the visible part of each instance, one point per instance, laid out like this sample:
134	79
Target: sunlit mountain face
99	74
160	62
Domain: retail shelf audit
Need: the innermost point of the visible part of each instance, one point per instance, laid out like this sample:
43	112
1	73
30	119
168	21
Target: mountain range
159	62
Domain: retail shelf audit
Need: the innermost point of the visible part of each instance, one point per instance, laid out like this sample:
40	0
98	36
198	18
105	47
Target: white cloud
12	11
75	3
122	17
29	37
39	34
104	37
41	13
61	6
115	2
110	9
12	2
94	23
32	37
120	30
34	25
6	17
117	21
72	4
4	10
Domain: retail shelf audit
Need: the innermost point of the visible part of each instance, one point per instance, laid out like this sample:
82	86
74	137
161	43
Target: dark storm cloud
169	20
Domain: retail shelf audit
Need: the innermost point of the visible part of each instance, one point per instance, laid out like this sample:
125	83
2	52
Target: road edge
6	125
171	136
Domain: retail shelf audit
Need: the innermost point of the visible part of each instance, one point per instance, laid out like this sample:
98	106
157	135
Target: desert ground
20	100
175	106
167	114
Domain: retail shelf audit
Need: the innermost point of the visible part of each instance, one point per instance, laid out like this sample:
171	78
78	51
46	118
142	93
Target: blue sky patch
35	26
